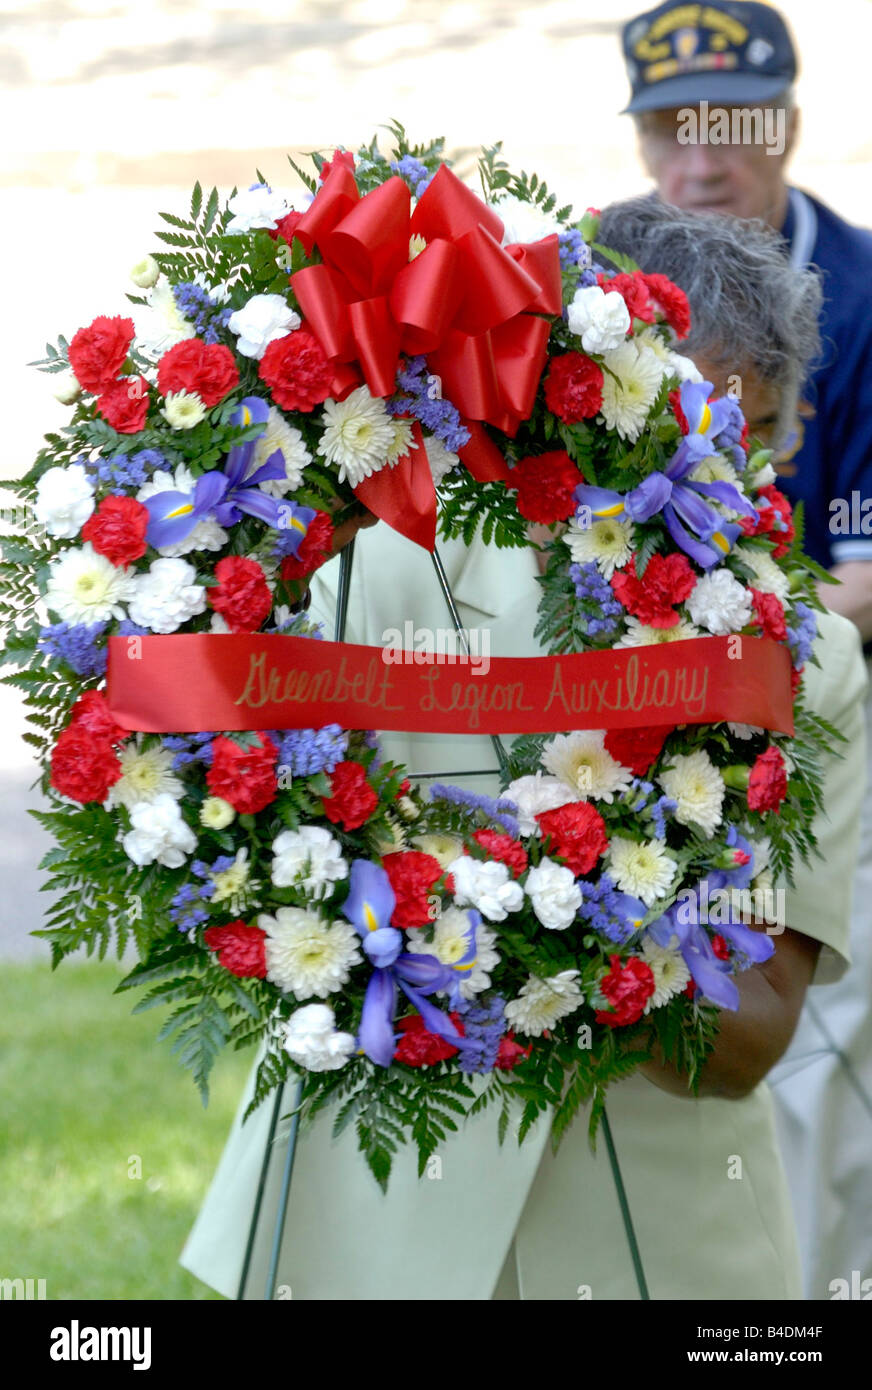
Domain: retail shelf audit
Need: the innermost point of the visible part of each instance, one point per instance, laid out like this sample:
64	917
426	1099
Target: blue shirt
830	470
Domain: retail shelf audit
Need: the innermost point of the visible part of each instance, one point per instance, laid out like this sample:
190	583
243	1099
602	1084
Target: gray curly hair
748	306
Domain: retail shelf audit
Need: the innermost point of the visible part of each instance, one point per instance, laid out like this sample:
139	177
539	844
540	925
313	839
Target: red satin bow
470	304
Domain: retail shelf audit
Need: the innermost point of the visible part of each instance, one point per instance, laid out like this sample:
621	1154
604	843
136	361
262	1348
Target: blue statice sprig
304	752
573	250
602	614
77	644
484	1024
801	637
189	748
603	907
414	172
423	400
501	810
638	798
200	309
119	473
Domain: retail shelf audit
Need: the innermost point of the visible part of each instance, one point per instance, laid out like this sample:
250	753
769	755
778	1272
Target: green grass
84	1089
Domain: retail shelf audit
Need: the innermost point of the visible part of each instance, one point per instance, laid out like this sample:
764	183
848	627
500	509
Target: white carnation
308	858
534	794
259	322
524	221
440	459
720	603
554	894
159	834
64	501
487	885
85	587
542	1003
695	783
256	207
600	320
306	954
166	596
311	1039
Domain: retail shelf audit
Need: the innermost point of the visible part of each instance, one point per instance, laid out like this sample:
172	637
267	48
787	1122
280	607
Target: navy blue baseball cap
730	53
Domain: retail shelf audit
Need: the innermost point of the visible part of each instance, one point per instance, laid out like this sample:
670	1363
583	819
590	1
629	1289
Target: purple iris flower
691	521
368	907
711	974
229	493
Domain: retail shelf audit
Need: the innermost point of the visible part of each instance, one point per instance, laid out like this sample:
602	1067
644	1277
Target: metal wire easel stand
344	588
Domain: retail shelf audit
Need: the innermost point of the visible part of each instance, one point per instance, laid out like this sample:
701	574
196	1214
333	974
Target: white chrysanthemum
629	394
259	322
644	870
542	1003
523	221
609	543
308	858
159	323
311	1039
666	964
66	388
256	207
720	603
440	459
159	834
444	848
231	882
716	469
671	362
357	436
216	813
449	945
743	731
554	894
64	501
600	320
146	774
278	434
769	578
583	762
417	244
85	587
534	794
641	635
183	409
486	884
205	535
403	441
166	596
695	783
306	954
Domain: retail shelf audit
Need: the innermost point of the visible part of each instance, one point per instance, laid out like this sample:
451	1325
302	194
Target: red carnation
545	485
420	1048
296	371
117	529
668	579
91	713
412	875
243	776
352	800
83	766
97	353
339	157
637	749
578	834
314	549
634	292
720	947
627	988
240	949
242	595
767	785
574	387
504	848
209	369
511	1053
675	403
671	301
124	404
770	520
286	227
795	681
769	615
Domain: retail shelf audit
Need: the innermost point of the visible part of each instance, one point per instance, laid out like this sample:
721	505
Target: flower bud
216	813
145	273
67	389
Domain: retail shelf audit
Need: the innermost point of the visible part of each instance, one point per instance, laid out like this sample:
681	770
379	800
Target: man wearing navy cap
713	106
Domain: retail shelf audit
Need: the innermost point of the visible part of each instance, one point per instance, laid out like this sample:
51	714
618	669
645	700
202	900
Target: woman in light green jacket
704	1182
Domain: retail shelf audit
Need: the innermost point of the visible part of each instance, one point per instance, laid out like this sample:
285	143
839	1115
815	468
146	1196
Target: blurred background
111	111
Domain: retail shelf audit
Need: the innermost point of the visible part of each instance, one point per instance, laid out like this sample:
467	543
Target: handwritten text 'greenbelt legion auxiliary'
683	688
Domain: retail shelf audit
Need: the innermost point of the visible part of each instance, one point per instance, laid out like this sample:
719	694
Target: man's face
744	180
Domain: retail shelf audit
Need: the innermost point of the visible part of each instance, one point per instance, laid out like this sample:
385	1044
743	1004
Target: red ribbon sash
207	681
